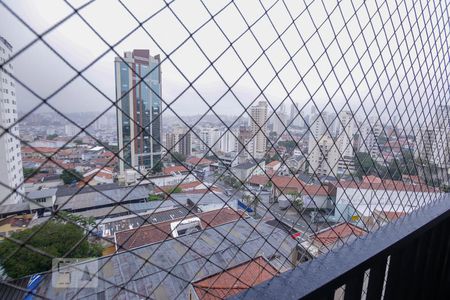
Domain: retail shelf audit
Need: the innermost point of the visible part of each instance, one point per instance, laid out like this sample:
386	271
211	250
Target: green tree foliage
178	157
289	145
153	197
53	238
29	172
157	168
174	190
52	136
85	222
365	165
71	176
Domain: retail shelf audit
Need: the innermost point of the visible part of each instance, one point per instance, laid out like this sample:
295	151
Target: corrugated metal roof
200	258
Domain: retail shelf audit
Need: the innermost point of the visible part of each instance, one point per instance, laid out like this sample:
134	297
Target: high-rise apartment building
228	141
258	126
370	130
332	155
179	140
433	143
323	157
11	175
210	139
138	91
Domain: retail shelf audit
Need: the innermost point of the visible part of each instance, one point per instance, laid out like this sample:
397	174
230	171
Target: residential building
245	145
138	92
258	126
228	142
434	147
323	157
11	176
279	120
179	140
370	130
245	170
180	256
42	199
344	143
210	139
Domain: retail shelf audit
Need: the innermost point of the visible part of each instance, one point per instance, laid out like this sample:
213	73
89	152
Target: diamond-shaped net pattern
196	149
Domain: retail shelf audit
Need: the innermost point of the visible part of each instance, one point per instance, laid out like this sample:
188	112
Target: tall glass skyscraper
138	94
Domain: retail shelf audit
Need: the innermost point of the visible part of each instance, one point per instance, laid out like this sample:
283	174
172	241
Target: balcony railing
406	259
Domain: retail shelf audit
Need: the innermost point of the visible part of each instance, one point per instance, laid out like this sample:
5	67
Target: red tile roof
258	179
283	182
273	164
389	215
391	185
234	280
331	235
199	161
174	169
372	179
153	233
39	150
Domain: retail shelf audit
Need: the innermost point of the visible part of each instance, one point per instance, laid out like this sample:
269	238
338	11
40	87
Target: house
314	196
201	165
273	166
233	280
14	223
159	232
191	187
366	197
383	217
99	176
42	200
245	170
335	236
171	170
169	266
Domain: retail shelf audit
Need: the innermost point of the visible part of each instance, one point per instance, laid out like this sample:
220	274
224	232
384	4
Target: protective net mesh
195	149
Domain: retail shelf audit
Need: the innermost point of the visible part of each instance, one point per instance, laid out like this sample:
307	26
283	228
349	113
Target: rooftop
153	233
330	236
234	280
44	193
189	257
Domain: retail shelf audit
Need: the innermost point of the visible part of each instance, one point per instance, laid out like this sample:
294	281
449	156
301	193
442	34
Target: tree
174	190
254	203
53	238
365	165
157	168
70	176
178	158
289	145
85	222
29	172
78	142
52	136
153	197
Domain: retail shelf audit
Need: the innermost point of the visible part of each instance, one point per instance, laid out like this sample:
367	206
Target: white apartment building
434	145
258	127
370	130
279	120
344	143
228	142
10	157
331	155
323	156
210	139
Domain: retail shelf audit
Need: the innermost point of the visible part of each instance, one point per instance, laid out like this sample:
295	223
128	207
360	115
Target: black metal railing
406	259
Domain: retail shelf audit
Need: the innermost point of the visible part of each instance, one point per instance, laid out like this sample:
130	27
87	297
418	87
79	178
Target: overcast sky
306	75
